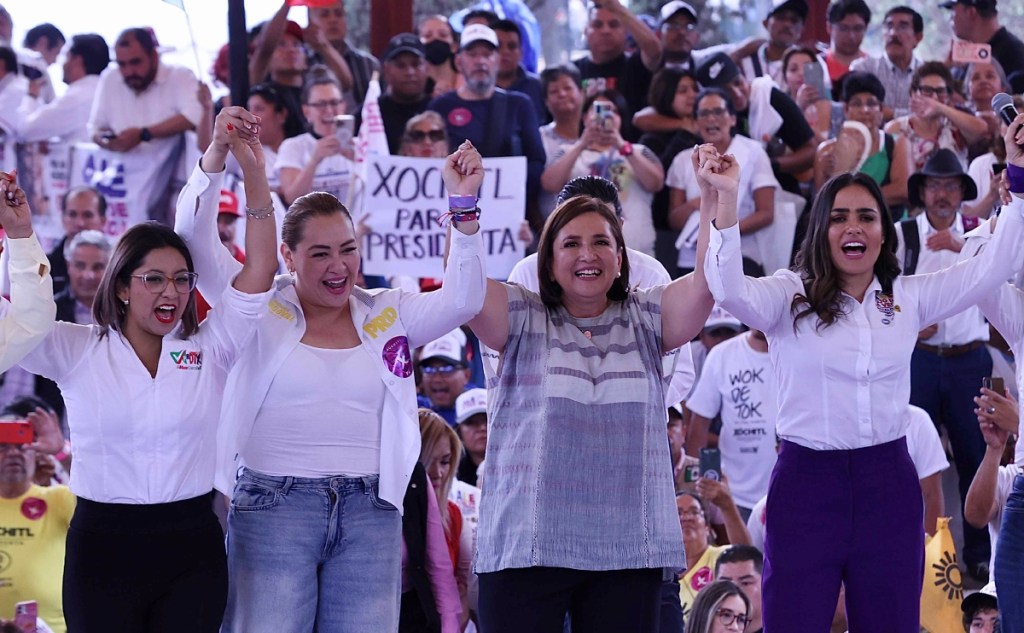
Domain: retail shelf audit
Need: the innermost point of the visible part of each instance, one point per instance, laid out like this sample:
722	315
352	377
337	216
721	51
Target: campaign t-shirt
33	528
739	382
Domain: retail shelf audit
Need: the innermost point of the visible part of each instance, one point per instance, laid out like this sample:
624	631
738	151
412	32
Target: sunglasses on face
417	136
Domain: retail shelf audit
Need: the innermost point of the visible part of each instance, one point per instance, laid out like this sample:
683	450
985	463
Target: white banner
405	198
139	185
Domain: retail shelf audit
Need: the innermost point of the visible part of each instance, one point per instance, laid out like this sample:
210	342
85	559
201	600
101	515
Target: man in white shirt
951	357
785	25
67	117
142	107
738	382
902	30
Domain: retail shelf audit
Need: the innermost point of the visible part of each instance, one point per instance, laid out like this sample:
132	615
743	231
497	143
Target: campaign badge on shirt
885	304
187	360
397	357
33	508
460	116
701	578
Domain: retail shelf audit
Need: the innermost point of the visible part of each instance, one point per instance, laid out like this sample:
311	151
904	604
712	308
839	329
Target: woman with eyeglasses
720	607
143	388
864	147
425	136
319	428
320	159
716	117
933	121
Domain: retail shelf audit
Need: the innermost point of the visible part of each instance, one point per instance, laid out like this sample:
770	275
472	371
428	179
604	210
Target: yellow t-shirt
33	528
698	577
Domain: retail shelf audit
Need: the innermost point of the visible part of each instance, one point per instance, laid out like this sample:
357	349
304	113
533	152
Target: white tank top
321	416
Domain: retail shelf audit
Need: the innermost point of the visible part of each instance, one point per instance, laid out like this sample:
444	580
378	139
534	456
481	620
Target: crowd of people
212	420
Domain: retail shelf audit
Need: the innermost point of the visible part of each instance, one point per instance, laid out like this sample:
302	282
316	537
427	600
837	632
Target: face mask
437	52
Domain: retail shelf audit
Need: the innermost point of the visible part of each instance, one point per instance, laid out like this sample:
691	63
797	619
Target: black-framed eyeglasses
417	136
157	282
930	91
726	617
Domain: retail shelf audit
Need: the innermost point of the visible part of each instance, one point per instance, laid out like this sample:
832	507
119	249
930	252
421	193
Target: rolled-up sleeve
31	313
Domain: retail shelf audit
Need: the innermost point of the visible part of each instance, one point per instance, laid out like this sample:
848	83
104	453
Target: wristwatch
145	135
626	149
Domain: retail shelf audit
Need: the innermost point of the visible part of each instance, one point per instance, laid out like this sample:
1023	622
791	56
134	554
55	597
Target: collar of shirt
925	226
914	63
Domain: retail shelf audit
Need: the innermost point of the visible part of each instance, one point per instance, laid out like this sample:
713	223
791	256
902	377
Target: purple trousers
853	517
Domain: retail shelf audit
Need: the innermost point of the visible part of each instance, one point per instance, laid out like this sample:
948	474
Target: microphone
1003	104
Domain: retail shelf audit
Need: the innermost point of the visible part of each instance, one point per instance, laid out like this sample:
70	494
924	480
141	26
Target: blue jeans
945	386
1009	554
305	553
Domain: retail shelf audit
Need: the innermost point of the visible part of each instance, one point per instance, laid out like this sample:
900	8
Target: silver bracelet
260	214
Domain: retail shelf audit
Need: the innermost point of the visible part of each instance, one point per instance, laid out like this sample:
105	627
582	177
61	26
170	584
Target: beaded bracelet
459	215
260	214
1015	177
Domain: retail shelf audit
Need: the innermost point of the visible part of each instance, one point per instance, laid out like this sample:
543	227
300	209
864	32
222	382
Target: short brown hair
317	203
550	291
108	311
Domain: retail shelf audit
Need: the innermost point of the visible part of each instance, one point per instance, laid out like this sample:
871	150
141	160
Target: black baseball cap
403	43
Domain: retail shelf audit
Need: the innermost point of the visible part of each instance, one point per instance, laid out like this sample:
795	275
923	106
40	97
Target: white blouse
847	385
140	439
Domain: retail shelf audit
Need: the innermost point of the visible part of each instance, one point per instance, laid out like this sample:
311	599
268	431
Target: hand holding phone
994	383
17	432
711	464
344	130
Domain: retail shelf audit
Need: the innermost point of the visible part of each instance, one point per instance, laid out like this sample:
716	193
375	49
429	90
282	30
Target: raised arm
759	303
265	43
687	301
429	315
196	217
260	265
31	313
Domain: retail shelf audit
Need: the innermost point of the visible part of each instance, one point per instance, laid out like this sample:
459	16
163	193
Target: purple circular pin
397	357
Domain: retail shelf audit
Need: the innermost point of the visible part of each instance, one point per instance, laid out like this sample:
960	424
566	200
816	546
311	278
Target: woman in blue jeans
320	417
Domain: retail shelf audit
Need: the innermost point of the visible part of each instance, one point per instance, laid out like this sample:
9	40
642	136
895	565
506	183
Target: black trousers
536	599
158	568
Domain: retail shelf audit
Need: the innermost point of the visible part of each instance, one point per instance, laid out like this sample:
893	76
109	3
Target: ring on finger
990	410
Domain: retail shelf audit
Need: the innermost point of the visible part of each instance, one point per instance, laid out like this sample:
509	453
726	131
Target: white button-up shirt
847	385
959	329
66	117
30	314
140	439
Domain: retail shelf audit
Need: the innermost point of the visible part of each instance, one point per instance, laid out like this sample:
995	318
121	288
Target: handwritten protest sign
405	197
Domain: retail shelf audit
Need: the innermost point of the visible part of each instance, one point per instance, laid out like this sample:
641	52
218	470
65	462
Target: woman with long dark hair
143	387
844	500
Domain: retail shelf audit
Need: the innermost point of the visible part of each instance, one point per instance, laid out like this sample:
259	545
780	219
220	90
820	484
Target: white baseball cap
719	317
477	33
469	403
451	347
